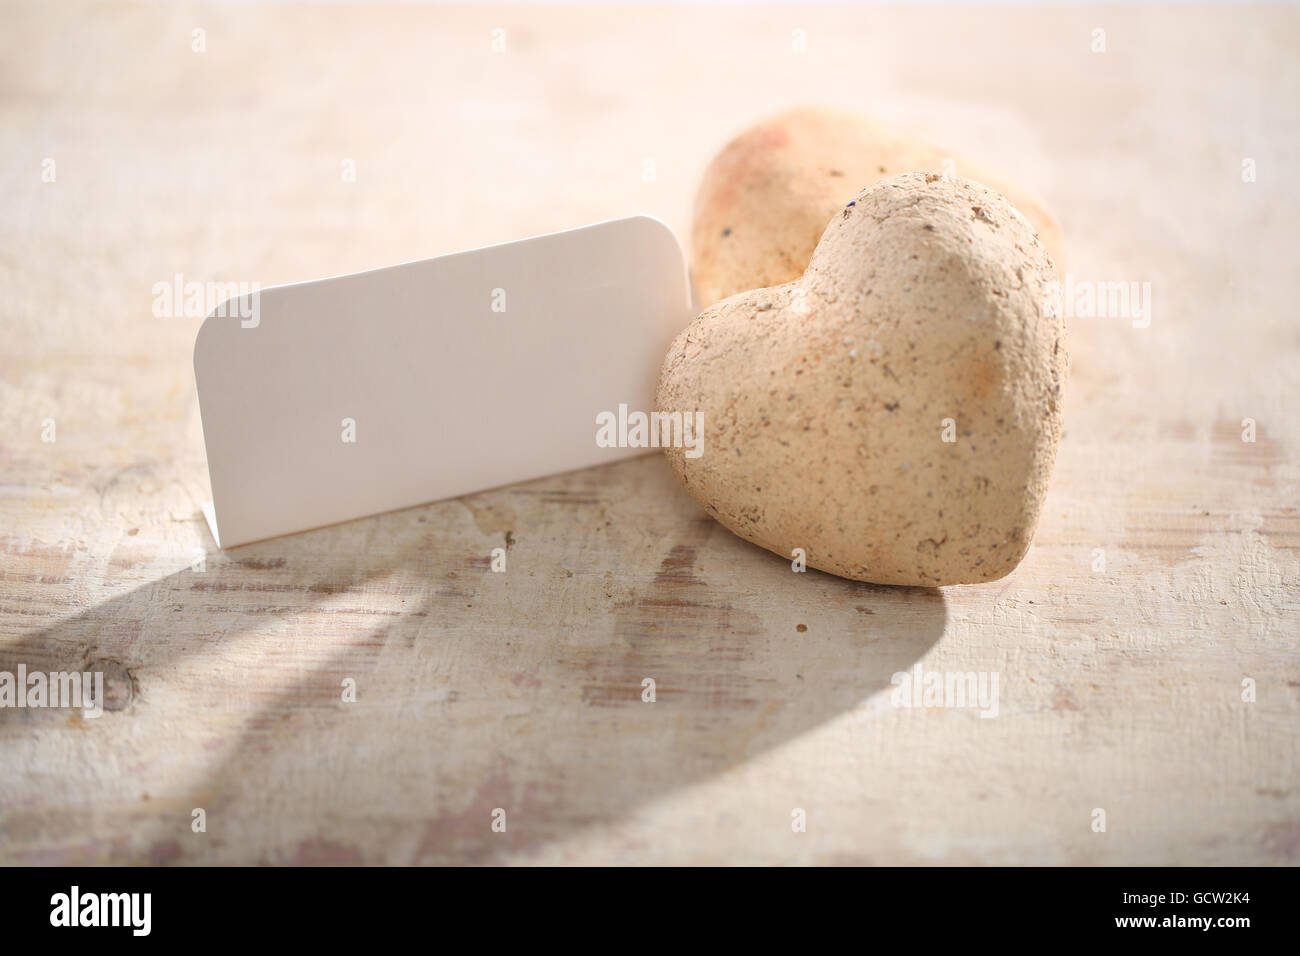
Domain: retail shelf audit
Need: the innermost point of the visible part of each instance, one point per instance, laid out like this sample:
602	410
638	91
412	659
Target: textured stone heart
766	197
895	411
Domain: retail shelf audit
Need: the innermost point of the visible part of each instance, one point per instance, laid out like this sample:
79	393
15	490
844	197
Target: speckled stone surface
766	197
895	411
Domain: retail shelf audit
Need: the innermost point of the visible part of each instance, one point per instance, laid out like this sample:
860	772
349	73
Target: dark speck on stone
726	232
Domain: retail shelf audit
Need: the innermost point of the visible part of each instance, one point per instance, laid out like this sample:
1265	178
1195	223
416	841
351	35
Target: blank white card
331	400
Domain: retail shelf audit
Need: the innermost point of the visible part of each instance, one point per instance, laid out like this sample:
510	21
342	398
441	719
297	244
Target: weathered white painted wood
1119	688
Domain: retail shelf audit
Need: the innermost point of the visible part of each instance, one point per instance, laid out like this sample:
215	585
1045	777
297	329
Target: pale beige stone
765	199
926	314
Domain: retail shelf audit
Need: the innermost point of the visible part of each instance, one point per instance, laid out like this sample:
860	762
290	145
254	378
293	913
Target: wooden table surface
1163	575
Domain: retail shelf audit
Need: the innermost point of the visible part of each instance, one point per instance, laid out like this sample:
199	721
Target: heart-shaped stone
766	197
893	414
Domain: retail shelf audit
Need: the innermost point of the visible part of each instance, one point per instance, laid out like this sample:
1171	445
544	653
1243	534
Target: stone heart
765	198
895	411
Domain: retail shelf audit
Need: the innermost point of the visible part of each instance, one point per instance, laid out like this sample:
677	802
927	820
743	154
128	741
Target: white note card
331	400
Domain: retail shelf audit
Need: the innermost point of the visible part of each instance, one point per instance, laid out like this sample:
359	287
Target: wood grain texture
1119	688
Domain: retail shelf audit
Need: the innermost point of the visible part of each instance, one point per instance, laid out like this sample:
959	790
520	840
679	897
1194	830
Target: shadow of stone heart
476	691
735	672
523	691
